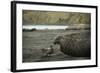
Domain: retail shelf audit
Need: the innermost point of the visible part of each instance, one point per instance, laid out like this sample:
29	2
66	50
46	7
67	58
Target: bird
48	51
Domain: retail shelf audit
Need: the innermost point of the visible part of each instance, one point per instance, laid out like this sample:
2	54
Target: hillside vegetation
55	18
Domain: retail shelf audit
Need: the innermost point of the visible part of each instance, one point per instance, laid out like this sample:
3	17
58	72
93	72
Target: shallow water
34	41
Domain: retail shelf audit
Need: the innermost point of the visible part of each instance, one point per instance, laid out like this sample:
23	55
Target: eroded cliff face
52	18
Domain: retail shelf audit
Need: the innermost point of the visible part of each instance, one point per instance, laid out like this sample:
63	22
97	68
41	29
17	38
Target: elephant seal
75	44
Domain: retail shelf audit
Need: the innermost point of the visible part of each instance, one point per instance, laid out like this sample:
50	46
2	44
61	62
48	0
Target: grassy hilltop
52	17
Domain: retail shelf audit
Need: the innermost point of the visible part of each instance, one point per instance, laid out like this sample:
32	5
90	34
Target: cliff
52	17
